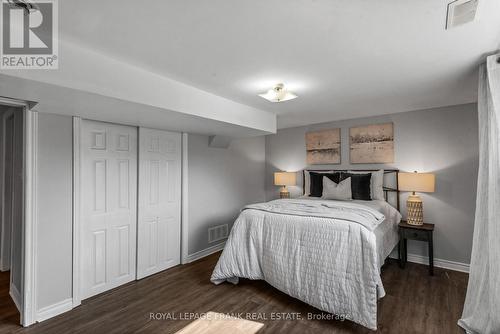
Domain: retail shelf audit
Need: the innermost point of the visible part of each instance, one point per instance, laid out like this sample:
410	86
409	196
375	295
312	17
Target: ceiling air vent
461	12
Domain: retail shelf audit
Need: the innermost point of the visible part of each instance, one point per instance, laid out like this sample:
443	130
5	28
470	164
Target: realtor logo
29	36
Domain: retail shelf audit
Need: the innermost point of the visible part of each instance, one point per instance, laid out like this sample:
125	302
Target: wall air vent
217	233
461	12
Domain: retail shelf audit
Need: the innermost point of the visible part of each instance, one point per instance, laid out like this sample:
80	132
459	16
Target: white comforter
321	252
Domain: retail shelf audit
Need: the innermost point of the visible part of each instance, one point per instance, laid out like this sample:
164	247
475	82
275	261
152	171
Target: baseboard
446	264
16	296
3	266
206	252
54	310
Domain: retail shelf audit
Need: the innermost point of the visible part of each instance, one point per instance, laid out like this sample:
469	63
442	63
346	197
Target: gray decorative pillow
339	191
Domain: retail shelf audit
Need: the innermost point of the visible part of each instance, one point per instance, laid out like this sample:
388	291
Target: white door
159	228
109	206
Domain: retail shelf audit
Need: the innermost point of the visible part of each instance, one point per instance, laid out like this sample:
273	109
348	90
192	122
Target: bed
327	253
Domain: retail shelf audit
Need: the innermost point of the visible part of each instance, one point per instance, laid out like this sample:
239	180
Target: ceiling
344	58
59	99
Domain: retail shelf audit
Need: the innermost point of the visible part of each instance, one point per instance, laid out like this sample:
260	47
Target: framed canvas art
323	147
372	144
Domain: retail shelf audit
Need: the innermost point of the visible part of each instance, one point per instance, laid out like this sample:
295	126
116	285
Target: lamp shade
419	182
285	179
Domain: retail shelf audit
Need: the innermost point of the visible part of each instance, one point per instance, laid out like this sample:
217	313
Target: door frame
30	207
184	201
77	232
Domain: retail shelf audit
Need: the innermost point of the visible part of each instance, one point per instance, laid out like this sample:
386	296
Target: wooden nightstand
414	232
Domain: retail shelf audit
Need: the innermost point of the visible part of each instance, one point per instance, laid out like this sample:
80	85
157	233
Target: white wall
54	249
443	141
221	182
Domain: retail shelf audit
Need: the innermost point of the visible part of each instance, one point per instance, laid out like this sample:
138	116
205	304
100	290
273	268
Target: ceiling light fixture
278	94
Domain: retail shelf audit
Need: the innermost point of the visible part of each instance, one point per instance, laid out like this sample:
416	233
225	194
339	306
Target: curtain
481	312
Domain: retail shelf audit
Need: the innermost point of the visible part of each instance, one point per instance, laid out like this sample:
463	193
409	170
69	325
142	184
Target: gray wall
4	236
54	252
11	209
221	182
443	141
16	265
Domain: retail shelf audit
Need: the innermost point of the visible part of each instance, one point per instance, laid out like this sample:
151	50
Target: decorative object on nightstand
284	179
416	182
415	232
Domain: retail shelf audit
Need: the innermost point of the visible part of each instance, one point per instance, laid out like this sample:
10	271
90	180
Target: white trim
446	264
13	201
77	299
440	263
30	217
16	296
205	252
7	101
30	212
185	203
137	211
54	310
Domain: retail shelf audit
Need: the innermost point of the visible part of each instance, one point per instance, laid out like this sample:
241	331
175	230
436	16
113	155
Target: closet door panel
109	206
159	201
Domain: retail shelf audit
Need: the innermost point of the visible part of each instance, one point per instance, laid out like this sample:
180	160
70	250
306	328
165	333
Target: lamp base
415	210
284	193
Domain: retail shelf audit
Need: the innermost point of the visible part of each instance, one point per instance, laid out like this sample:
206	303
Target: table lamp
416	182
284	179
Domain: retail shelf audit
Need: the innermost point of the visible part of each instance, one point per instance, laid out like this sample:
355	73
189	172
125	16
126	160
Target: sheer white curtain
481	312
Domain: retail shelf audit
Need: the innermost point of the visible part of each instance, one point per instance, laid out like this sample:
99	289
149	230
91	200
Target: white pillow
339	191
376	184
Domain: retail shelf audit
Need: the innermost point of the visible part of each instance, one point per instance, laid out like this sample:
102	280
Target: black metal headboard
387	190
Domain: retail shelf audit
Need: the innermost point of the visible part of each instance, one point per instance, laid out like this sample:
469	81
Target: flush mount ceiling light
278	94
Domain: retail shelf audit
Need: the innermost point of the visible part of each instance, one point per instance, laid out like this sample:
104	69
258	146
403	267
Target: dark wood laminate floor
9	316
415	303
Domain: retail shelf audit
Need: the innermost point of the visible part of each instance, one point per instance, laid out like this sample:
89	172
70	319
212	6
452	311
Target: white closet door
159	228
109	206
